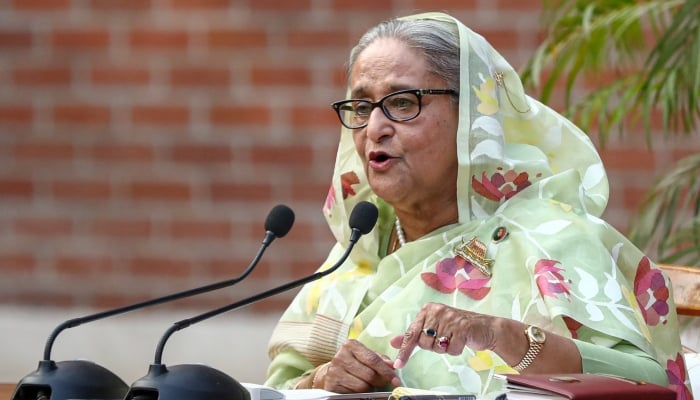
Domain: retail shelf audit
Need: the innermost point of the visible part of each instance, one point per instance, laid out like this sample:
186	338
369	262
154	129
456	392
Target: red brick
237	38
76	190
199	153
41	5
15	39
222	191
200	229
194	5
319	38
46	226
40	76
283	155
282	6
341	6
82	114
534	6
15	113
314	116
122	228
158	39
16	187
310	192
156	266
21	262
200	77
123	152
114	6
633	197
228	115
160	191
160	115
271	76
83	265
44	151
451	5
502	39
80	39
628	159
120	75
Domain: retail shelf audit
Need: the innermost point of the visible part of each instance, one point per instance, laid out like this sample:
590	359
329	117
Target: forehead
386	65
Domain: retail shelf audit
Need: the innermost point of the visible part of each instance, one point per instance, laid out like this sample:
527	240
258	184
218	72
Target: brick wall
142	142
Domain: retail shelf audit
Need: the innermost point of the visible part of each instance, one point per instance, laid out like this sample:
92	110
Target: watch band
535	337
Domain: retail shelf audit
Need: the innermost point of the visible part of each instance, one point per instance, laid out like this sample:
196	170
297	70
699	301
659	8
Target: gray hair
437	40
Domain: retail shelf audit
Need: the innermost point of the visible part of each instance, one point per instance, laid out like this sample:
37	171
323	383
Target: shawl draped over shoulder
531	189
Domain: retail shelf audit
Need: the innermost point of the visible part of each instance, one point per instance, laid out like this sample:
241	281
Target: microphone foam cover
363	217
280	220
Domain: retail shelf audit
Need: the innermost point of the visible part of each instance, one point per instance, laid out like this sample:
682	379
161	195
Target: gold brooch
474	251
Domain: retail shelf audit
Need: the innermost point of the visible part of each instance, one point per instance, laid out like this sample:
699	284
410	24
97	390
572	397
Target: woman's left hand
445	329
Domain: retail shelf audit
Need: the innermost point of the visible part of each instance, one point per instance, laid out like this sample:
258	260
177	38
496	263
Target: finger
410	340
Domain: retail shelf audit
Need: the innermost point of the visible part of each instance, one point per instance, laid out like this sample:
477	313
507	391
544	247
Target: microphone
82	379
200	382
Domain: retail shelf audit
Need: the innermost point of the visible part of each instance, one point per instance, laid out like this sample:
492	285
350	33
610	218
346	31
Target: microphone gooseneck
279	221
84	379
362	220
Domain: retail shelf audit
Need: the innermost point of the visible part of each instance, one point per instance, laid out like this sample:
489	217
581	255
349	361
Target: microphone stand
82	379
200	382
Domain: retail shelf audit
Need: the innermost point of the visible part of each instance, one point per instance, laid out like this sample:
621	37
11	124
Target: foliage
653	51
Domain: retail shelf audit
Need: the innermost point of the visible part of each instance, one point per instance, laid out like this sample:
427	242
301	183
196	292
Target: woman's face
411	164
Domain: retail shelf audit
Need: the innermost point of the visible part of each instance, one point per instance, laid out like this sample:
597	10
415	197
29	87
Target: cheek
359	139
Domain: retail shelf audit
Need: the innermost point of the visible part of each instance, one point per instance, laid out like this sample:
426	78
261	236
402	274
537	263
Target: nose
378	125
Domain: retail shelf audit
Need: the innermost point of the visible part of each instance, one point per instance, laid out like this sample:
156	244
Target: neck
410	227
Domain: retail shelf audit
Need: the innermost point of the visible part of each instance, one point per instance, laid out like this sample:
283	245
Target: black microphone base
186	382
75	379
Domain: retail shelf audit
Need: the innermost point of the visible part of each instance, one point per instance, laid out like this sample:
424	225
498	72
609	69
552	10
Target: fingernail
398	364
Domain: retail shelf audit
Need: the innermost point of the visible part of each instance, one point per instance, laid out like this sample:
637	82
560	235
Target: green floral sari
531	189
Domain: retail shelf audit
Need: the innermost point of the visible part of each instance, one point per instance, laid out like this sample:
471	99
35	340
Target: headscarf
531	189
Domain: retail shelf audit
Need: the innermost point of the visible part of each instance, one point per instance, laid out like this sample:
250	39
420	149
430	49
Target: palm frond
669	217
588	37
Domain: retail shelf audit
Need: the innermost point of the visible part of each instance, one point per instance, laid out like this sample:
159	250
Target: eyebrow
360	91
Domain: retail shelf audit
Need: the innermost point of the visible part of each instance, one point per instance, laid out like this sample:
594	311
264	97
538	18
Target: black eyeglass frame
380	103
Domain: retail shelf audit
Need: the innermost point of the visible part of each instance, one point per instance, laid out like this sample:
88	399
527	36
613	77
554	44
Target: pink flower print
501	185
651	292
675	371
447	278
549	281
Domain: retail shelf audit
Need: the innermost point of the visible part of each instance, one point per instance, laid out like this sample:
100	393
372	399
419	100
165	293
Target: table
7	390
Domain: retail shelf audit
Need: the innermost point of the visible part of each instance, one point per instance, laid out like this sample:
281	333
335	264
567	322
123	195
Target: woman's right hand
356	369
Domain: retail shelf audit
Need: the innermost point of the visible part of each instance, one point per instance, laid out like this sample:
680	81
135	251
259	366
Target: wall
142	142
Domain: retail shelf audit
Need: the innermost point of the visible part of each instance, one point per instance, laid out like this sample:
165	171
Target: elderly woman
489	255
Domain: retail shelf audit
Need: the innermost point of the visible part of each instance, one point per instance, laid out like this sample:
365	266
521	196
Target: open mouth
379	157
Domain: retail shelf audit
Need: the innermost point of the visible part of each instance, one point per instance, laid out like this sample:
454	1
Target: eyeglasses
400	106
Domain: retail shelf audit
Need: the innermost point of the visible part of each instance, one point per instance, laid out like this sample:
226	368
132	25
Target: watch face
536	334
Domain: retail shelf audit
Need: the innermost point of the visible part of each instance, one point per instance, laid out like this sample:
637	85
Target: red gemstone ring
443	342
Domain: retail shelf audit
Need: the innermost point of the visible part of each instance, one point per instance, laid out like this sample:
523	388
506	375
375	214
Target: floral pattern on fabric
676	371
652	293
457	273
549	279
501	185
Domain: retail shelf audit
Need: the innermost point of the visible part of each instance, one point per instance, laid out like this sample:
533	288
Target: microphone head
280	220
363	217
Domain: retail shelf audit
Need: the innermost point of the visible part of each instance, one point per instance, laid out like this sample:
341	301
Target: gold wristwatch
536	337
